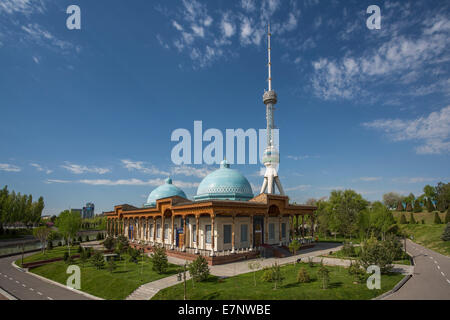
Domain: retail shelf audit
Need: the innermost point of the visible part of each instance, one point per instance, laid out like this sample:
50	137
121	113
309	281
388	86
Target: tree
199	269
109	243
42	233
303	276
403	219
443	196
437	219
98	260
447	216
400	206
68	224
134	255
417	206
159	260
324	275
357	271
446	234
255	266
380	253
411	218
111	265
294	246
391	199
430	193
277	276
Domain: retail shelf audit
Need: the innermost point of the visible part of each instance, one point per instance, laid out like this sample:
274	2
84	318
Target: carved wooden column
163	230
251	232
279	228
303	226
154	230
172	244
197	228
212	235
291	227
266	229
184	233
233	249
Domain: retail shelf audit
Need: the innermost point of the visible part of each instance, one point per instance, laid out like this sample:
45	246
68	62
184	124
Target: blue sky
87	115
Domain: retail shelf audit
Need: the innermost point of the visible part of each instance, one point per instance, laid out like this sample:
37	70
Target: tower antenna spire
269	58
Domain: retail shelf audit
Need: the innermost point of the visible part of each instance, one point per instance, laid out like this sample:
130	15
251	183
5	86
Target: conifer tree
403	219
446	235
411	219
437	219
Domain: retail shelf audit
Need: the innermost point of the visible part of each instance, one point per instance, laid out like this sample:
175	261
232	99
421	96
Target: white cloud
125	182
36	60
140	166
303	157
9	167
80	169
40	168
370	179
191	171
228	28
386	62
414	180
301	187
433	131
177	26
248	5
25	7
41	36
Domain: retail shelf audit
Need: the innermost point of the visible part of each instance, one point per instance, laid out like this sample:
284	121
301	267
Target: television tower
271	156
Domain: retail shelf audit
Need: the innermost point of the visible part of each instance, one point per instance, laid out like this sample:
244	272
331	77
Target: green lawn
428	235
242	287
428	217
57	252
337	239
102	283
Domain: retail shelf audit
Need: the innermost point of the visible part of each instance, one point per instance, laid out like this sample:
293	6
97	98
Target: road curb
7	295
57	283
400	284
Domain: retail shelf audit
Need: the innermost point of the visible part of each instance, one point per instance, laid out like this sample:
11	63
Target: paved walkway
148	290
431	277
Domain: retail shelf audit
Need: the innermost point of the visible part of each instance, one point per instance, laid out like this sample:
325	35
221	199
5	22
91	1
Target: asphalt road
24	286
431	278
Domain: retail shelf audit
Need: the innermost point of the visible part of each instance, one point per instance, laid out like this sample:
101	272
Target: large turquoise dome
164	191
224	184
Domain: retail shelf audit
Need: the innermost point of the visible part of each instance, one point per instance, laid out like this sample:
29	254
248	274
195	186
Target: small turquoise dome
164	191
224	184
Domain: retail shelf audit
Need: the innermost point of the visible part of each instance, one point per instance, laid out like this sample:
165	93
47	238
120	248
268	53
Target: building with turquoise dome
224	221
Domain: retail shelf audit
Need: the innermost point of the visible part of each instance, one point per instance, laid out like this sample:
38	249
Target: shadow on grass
335	285
212	296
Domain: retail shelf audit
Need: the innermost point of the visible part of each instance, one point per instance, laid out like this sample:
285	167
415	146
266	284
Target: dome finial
169	181
224	164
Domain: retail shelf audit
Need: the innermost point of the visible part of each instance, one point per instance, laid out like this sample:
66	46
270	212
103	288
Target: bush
87	239
159	260
310	262
357	271
417	206
446	235
348	250
99	236
59	243
80	239
303	276
403	219
447	216
49	245
199	269
98	260
423	221
134	255
437	219
411	218
80	249
109	243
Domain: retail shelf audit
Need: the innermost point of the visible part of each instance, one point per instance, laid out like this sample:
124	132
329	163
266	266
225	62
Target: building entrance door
258	231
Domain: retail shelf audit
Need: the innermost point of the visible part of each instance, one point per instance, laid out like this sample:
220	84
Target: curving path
431	278
24	286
